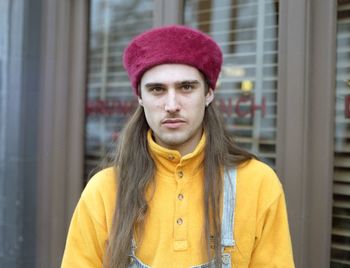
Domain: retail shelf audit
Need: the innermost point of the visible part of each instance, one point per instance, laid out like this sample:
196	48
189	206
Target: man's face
174	99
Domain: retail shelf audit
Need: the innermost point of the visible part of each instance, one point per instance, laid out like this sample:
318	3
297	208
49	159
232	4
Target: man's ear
140	101
209	97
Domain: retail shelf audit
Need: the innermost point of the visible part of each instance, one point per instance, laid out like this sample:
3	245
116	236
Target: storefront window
247	31
109	97
340	252
247	90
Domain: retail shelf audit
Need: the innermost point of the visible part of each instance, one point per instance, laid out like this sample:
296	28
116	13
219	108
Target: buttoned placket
227	224
181	207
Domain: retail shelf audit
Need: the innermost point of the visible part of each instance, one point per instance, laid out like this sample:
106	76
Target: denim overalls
227	225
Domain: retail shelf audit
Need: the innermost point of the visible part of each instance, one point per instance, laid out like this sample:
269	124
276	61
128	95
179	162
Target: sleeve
273	244
87	235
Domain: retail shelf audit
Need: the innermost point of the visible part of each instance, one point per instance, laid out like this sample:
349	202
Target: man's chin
171	140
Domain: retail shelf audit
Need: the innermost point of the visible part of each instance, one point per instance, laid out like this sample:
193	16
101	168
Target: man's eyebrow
150	85
188	82
178	83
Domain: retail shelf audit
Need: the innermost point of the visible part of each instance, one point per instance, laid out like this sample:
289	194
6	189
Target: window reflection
340	252
247	32
109	98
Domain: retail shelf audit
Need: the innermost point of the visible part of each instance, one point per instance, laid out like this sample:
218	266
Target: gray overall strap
228	210
134	262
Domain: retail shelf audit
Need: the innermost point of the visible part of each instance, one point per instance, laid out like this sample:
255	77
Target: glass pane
247	31
109	97
340	252
19	122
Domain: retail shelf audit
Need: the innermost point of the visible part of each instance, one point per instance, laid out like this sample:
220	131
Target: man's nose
171	103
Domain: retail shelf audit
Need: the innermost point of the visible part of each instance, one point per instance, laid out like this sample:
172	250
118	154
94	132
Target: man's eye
187	87
157	89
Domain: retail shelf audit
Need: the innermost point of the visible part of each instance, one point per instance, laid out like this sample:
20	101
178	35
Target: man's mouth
173	122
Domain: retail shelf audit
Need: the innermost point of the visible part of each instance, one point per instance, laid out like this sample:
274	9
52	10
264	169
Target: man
180	193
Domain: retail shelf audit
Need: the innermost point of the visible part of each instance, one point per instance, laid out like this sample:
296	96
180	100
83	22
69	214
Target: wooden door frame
61	133
305	124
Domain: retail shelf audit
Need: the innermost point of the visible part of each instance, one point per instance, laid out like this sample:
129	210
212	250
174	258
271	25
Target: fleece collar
169	161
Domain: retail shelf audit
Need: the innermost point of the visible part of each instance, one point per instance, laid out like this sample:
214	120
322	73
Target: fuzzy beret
172	44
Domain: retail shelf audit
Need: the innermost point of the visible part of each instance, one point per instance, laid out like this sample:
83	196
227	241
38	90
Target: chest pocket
227	225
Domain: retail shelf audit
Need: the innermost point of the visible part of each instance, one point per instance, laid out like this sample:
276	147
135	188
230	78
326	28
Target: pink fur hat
172	44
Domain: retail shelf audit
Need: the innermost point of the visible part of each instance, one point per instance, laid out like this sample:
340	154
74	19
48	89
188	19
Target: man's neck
185	148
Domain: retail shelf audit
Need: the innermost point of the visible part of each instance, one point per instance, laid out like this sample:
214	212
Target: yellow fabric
261	227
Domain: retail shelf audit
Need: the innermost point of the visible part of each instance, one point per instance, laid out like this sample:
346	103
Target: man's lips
173	122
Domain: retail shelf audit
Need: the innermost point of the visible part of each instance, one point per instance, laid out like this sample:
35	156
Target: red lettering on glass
242	99
226	108
245	105
252	106
261	107
347	106
110	107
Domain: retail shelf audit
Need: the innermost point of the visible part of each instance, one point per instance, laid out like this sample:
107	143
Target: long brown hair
135	173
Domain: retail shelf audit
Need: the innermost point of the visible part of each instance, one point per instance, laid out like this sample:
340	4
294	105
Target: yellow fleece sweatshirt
174	231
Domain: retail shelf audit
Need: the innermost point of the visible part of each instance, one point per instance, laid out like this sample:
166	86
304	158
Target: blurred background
284	93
